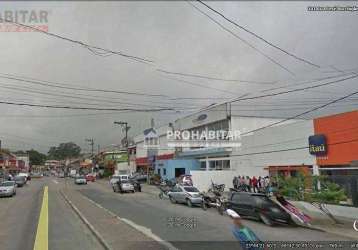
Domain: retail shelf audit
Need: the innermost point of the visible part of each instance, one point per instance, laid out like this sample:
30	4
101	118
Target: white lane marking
54	181
144	230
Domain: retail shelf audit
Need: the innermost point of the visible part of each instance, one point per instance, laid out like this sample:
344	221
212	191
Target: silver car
80	180
123	186
185	194
7	189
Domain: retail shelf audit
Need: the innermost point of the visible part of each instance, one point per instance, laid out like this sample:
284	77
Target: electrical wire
134	58
84	108
242	40
300	114
257	36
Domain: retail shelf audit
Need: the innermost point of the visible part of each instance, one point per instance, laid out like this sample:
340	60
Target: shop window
226	164
211	165
202	165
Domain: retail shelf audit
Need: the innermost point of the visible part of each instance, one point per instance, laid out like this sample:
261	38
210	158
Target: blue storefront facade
169	169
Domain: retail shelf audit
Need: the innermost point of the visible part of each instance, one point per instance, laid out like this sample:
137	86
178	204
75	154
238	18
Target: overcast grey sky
177	38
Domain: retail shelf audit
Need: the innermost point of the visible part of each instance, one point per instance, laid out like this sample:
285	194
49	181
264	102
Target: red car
90	177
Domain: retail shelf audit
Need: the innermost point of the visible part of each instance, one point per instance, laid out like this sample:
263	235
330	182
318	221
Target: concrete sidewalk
115	233
320	221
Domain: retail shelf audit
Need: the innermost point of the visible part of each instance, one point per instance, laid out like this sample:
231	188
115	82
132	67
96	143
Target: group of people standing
256	185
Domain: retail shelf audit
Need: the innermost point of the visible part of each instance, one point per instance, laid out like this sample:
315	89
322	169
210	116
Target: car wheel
172	200
189	203
160	195
265	219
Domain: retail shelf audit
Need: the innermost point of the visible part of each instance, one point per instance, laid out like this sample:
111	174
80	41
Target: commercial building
268	147
152	147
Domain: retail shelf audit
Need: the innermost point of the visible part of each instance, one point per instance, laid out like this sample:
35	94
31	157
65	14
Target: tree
64	151
36	158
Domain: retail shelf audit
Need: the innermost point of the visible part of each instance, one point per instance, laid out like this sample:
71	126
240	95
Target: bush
294	188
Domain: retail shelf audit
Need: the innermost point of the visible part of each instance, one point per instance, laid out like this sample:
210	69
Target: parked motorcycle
164	188
214	198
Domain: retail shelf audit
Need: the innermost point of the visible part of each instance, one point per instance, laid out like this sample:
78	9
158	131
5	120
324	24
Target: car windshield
7	184
124	181
19	178
191	189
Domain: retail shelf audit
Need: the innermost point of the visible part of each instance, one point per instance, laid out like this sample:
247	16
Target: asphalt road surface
19	218
197	229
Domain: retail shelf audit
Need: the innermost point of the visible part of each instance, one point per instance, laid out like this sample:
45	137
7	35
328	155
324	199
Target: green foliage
36	158
294	188
330	193
64	151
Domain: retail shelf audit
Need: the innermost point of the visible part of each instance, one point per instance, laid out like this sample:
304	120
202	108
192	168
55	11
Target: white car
123	186
7	189
80	180
116	178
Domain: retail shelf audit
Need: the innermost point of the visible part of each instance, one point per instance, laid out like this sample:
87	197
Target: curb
147	232
86	222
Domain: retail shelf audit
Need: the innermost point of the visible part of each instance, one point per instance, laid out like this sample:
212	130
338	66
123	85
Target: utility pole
126	128
91	141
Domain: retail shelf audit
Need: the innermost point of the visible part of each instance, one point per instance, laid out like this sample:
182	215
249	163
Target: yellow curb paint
41	241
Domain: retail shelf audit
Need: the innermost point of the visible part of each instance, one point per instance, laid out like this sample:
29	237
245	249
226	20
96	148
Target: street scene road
142	212
180	125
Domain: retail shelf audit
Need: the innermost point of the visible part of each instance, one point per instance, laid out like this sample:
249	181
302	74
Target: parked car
26	175
139	177
90	177
257	206
20	181
61	175
185	180
80	180
7	189
36	175
185	194
123	186
114	179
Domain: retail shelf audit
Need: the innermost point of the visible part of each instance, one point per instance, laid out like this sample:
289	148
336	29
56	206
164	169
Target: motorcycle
165	187
214	198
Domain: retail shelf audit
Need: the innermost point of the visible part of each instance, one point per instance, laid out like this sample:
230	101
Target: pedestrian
248	183
262	184
259	186
247	238
234	182
254	184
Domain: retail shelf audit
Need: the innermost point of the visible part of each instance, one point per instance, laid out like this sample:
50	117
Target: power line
71	87
210	77
241	39
85	108
201	85
293	90
86	45
259	37
301	114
